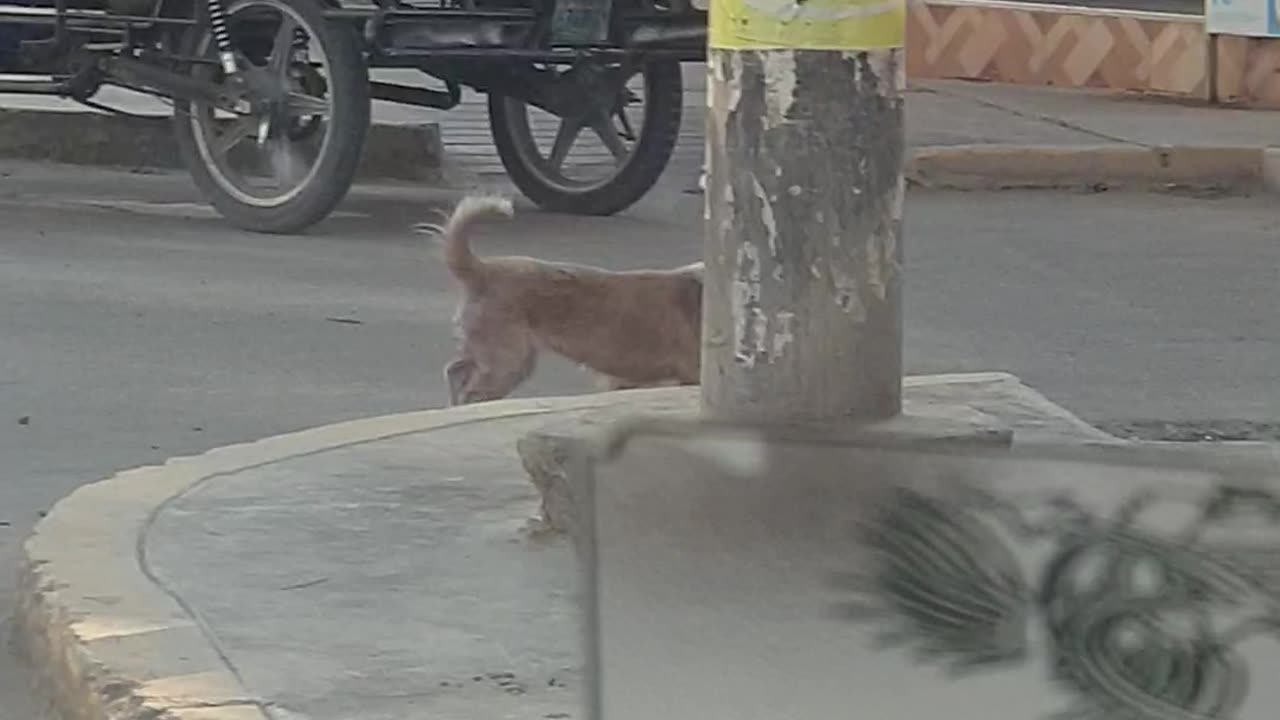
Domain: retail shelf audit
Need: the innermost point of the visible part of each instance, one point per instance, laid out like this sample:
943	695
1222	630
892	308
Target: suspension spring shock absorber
221	36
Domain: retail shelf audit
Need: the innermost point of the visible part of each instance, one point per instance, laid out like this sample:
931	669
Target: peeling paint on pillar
804	206
768	222
779	86
745	304
784	335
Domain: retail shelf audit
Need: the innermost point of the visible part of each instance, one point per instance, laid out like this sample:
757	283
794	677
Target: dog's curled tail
462	263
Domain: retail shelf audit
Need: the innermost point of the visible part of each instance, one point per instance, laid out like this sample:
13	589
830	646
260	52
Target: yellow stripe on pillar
807	24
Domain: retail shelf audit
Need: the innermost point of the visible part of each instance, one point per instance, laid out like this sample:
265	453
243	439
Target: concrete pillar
805	142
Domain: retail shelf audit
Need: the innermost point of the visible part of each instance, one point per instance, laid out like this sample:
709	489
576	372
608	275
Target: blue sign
1248	18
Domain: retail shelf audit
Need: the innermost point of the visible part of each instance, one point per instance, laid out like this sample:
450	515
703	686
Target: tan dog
637	328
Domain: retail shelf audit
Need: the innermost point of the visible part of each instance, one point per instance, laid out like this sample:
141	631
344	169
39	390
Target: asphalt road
135	327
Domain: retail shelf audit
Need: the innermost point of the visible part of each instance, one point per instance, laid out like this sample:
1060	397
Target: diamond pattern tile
1039	45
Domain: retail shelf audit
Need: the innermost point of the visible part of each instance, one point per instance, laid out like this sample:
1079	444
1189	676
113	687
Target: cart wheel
283	151
622	144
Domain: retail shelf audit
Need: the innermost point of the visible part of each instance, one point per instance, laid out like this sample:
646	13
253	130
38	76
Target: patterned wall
1249	71
1080	47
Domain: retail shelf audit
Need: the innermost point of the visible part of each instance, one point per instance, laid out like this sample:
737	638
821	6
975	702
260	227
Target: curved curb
111	642
1112	165
94	643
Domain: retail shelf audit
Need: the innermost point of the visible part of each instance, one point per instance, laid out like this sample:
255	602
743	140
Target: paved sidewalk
939	114
956	112
372	570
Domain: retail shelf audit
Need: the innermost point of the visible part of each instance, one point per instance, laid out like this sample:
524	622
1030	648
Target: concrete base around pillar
991	409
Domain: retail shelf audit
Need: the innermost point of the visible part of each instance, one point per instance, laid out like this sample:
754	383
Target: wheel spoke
232	134
628	132
565	137
608	134
286	165
282	46
303	104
